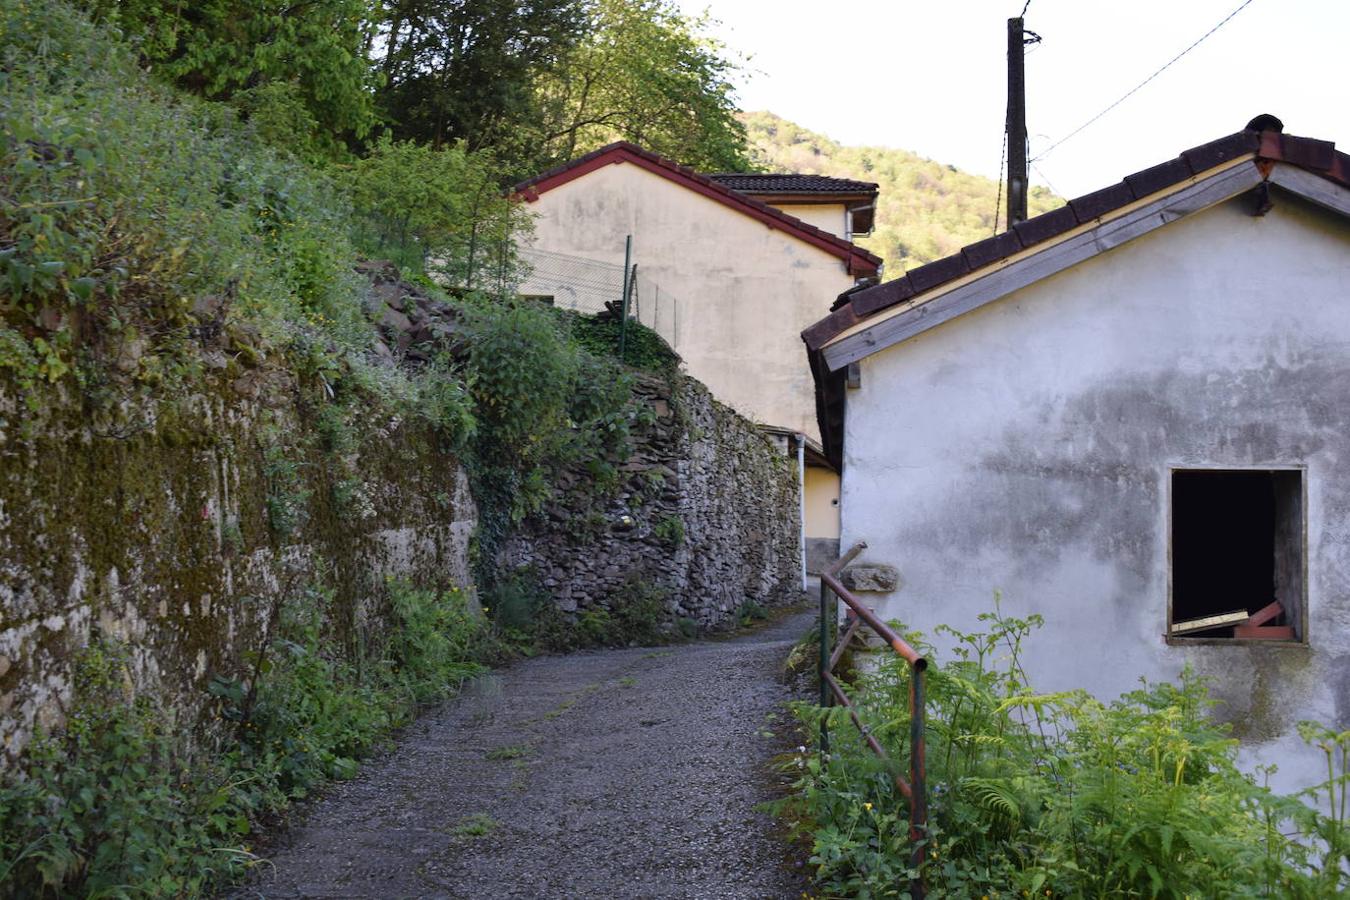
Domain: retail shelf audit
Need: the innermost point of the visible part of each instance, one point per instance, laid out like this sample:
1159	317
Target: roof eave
857	261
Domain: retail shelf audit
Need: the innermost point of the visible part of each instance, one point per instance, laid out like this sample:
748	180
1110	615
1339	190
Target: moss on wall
154	521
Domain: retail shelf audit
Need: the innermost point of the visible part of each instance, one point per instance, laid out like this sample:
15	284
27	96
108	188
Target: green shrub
751	611
639	609
437	641
516	601
540	404
111	806
442	210
669	531
116	806
643	347
1055	795
132	214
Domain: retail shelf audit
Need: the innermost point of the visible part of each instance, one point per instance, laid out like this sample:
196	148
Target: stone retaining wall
706	511
156	524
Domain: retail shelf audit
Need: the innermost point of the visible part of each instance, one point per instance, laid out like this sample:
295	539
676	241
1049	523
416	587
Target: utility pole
1017	125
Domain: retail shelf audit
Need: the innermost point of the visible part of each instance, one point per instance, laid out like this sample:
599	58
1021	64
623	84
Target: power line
1052	188
998	200
1141	84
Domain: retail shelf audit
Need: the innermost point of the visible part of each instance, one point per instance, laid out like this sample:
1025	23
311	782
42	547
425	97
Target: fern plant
1058	794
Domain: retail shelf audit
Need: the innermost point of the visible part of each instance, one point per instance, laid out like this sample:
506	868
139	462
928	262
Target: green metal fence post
627	287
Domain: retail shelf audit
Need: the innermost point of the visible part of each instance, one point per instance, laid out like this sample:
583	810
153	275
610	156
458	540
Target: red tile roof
788	183
860	262
855	305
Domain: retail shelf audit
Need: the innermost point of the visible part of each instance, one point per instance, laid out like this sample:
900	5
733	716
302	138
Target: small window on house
1237	554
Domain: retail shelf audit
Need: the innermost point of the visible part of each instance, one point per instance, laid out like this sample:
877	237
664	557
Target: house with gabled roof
751	260
1131	416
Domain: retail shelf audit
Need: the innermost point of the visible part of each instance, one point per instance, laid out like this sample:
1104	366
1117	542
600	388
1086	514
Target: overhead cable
1134	90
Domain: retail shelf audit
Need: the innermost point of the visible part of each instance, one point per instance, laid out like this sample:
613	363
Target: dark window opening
1237	554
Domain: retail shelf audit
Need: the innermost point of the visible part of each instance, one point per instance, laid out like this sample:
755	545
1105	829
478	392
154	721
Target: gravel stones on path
616	774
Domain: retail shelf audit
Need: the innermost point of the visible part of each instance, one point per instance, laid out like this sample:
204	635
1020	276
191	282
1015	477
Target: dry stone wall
158	524
705	511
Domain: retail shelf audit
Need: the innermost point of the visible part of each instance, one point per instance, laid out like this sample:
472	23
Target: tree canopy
467	70
645	73
221	49
536	81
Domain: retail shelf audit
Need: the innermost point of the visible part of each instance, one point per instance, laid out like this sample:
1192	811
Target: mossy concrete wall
156	522
705	511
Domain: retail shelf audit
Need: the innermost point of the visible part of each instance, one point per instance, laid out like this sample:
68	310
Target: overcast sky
931	76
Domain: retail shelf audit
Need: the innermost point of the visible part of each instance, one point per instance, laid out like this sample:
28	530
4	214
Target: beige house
747	262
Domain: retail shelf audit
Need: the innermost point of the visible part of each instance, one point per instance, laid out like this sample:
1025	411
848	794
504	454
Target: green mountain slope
926	210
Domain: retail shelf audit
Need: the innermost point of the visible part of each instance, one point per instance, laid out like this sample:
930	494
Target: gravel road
616	774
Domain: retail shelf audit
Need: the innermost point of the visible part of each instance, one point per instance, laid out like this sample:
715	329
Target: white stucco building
750	260
1126	415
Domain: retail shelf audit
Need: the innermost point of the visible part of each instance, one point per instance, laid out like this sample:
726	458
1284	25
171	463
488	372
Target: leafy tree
221	48
465	69
646	73
439	209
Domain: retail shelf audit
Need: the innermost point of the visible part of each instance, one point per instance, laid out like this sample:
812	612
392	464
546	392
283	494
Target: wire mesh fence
587	285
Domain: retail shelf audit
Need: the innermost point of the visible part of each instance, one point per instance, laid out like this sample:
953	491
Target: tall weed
1057	794
118	805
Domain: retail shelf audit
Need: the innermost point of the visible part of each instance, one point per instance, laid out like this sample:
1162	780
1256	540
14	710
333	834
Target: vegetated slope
926	210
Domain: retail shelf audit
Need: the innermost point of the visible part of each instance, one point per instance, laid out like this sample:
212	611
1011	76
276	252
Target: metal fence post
918	798
826	698
628	286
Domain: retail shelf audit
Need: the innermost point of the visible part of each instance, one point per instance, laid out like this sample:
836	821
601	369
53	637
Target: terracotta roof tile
841	319
991	249
1207	156
787	183
1156	178
1046	225
897	290
1307	152
936	272
1099	203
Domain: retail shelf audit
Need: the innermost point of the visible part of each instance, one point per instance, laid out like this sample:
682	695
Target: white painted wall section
1026	447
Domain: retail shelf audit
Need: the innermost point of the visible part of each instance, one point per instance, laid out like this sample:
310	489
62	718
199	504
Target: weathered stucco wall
745	291
706	511
1026	447
153	526
831	217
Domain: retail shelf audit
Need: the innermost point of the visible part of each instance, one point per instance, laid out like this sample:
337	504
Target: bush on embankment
118	805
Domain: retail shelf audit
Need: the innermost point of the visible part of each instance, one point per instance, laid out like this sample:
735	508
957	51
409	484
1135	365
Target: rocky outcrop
413	326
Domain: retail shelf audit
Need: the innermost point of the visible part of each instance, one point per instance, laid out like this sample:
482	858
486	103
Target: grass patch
512	752
475	826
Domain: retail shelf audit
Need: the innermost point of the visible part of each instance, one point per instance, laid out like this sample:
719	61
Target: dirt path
616	774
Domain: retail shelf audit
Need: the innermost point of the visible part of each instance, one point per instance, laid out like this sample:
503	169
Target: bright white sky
931	76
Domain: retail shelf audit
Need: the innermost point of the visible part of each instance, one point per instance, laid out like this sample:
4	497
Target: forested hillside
927	210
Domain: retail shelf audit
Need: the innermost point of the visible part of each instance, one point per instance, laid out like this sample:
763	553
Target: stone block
871	578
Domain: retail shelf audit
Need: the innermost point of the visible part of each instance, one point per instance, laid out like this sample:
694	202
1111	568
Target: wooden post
1017	125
